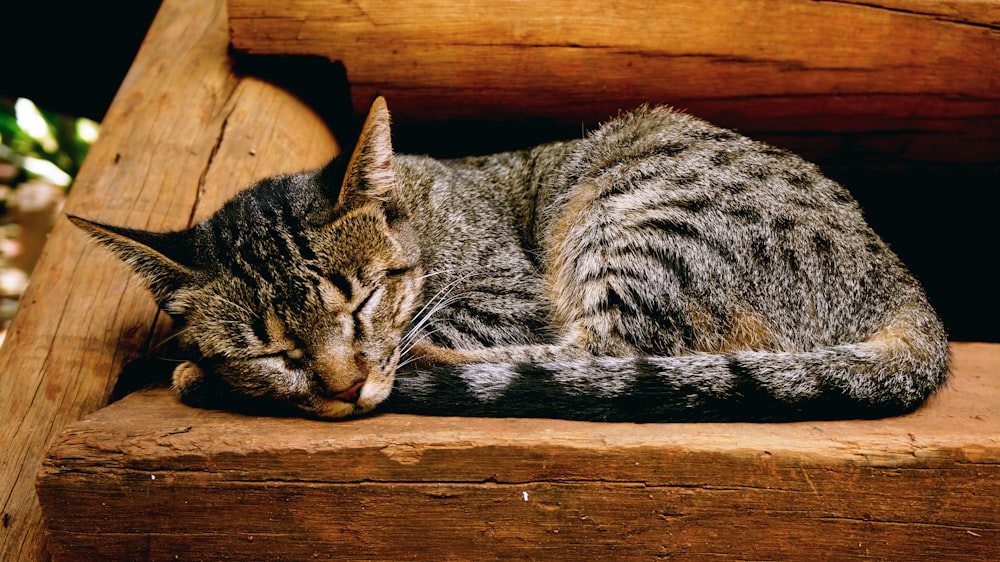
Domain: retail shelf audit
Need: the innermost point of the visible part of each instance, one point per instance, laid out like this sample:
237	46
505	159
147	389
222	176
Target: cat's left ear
369	171
162	260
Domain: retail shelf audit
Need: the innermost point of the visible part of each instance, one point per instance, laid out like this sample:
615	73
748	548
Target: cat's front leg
427	355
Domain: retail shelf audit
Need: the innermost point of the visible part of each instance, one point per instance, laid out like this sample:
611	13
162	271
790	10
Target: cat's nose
339	373
351	394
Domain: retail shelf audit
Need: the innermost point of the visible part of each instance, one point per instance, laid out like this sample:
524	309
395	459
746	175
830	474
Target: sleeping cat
658	269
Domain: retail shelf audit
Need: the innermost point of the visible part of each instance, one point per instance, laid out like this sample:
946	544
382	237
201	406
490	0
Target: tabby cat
660	268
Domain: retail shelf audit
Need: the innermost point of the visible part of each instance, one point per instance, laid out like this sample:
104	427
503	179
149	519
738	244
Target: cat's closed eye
363	308
342	284
659	268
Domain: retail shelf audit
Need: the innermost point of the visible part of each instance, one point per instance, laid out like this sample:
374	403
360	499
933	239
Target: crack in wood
789	64
214	151
934	16
980	527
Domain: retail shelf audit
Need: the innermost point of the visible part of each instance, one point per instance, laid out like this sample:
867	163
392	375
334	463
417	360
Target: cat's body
659	269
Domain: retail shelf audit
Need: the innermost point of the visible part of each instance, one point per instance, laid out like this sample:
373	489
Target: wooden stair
144	478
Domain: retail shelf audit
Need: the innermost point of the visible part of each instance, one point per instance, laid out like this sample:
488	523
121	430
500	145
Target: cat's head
297	292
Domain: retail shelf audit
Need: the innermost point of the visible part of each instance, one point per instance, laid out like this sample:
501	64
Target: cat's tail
890	373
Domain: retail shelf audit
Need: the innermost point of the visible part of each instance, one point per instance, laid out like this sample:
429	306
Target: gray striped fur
660	268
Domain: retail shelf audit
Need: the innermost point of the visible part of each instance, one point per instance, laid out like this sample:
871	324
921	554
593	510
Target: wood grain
912	78
182	134
149	475
915	79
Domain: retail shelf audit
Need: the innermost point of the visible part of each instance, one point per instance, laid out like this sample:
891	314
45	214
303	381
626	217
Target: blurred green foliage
31	137
37	147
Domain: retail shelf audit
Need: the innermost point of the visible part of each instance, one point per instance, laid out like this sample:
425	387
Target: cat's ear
156	257
369	171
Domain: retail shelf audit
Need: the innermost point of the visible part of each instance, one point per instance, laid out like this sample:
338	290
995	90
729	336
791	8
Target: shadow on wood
150	475
903	82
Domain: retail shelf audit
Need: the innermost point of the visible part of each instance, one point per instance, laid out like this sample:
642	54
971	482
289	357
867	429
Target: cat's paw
187	382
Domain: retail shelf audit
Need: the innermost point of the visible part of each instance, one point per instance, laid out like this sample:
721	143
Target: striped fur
658	269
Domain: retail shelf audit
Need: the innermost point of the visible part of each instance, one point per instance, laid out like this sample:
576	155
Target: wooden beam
913	78
185	133
182	134
150	475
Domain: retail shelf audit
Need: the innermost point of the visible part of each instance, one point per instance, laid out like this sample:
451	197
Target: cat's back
668	217
656	156
711	222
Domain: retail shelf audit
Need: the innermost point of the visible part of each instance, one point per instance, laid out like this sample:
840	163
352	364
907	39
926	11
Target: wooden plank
182	134
150	475
559	521
919	77
185	133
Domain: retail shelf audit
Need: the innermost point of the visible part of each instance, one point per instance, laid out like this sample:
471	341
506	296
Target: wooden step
903	82
150	475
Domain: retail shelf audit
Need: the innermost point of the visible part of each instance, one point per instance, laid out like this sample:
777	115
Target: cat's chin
372	394
335	409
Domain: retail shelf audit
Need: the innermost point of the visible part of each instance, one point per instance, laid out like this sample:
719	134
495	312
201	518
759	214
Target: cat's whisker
443	291
406	347
173	360
409	358
433	274
176	334
425	318
185	330
440	300
235	305
404	363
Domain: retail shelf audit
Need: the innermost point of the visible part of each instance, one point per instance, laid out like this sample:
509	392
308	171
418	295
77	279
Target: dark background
70	57
942	220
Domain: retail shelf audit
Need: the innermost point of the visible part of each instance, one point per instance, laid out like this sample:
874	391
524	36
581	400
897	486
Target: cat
659	268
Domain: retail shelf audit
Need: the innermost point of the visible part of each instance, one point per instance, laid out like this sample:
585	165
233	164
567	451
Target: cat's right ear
155	257
369	171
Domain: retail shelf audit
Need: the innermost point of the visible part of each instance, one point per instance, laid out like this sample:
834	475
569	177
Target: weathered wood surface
914	79
149	478
182	134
